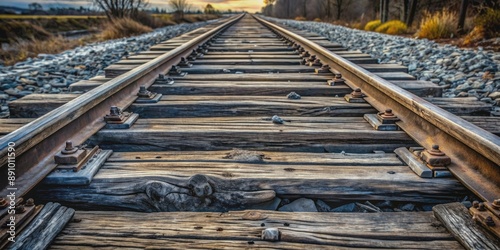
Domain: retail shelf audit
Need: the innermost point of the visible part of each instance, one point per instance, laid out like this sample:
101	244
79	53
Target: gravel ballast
54	73
463	72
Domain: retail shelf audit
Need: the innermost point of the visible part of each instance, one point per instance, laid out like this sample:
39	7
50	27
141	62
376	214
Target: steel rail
37	142
475	153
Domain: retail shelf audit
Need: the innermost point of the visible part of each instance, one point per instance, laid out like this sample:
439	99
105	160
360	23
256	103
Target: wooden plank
205	106
292	77
236	230
44	228
150	52
462	106
9	125
133	185
262	157
214	56
84	85
301	133
250	88
384	67
395	76
488	123
421	88
36	105
247	62
460	224
116	70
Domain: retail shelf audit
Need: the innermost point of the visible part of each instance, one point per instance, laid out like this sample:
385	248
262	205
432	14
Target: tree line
354	10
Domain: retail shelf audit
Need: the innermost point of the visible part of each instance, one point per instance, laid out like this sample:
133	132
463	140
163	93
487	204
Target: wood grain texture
294	77
488	123
206	106
233	231
36	105
9	125
468	106
459	222
254	88
249	132
44	228
128	183
264	157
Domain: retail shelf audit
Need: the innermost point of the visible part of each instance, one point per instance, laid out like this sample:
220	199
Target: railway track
259	136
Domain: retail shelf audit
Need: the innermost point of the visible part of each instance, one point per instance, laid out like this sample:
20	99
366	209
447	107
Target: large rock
300	205
351	207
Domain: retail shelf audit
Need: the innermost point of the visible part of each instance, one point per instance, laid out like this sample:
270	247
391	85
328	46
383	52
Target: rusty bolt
388	114
30	202
338	79
325	66
435	151
20	209
496	204
3	202
475	204
357	93
489	221
481	207
143	92
114	111
69	149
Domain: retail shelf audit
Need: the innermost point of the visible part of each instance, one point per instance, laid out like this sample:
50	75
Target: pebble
277	120
457	68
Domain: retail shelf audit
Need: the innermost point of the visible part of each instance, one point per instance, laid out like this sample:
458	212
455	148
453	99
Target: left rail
37	142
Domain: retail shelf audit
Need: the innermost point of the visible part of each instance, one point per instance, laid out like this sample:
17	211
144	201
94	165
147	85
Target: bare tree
411	12
461	17
341	6
179	7
384	10
121	8
35	7
326	6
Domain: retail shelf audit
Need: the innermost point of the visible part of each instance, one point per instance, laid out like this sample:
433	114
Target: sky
248	5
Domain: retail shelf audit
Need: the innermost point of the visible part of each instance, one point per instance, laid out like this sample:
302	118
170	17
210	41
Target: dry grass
30	37
441	24
21	50
317	19
372	25
490	23
393	27
11	16
13	31
124	27
300	18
